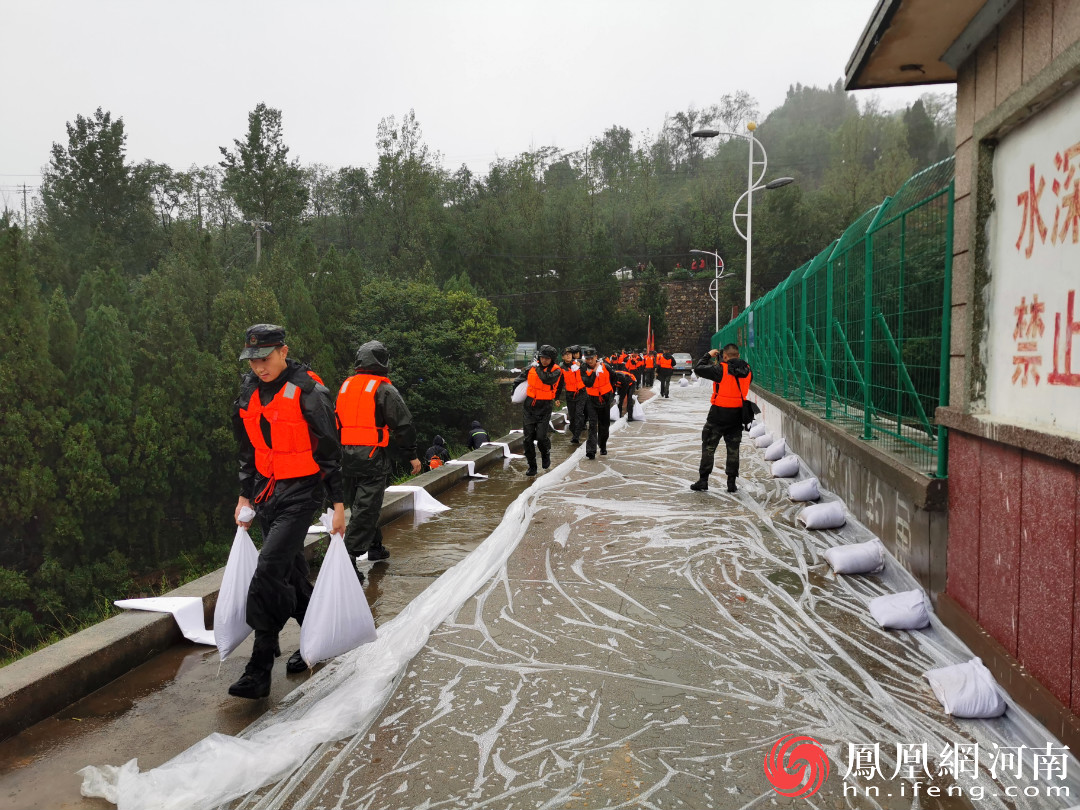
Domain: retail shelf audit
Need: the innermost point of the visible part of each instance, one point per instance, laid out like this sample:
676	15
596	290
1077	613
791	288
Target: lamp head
705	133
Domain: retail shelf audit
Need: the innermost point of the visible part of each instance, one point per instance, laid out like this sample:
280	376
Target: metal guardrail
860	333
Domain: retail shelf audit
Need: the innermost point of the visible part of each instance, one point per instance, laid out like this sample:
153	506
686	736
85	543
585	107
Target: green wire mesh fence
860	334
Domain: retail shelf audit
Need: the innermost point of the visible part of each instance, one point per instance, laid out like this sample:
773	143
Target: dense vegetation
127	294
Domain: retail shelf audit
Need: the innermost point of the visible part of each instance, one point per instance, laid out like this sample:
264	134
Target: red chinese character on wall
1031	220
1029	324
1071	330
1070	205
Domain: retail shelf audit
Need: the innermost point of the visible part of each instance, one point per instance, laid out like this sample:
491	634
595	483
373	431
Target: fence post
946	340
828	337
802	342
868	330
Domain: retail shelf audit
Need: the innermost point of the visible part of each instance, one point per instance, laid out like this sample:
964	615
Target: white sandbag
693	378
638	411
683	382
613	414
787	467
764	440
520	392
857	558
758	430
776	450
230	612
967	690
901	611
829	515
423	501
804	490
338	618
187	610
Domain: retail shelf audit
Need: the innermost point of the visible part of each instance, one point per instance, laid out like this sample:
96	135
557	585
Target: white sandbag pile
683	382
901	611
829	515
638	412
776	450
967	690
758	430
613	414
787	467
764	440
230	612
857	558
804	490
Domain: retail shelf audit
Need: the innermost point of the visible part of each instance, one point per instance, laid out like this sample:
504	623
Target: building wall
691	314
1014	485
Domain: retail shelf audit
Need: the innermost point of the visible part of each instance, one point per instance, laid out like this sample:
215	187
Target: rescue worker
289	458
665	367
437	454
370	409
575	395
599	394
545	381
624	384
731	383
650	368
634	364
478	437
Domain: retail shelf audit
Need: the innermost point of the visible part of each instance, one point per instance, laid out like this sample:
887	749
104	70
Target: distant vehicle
684	363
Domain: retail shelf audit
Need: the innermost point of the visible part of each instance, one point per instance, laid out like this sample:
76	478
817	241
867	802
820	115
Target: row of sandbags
966	690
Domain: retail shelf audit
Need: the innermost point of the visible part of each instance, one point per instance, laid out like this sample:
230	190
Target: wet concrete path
646	646
169	703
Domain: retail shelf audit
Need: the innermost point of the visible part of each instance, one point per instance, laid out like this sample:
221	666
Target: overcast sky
486	79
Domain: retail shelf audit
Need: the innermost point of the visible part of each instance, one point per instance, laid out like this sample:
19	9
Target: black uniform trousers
536	422
365	483
280	589
597	412
726	424
665	383
575	410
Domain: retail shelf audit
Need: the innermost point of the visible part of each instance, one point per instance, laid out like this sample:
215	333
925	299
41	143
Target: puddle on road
181	689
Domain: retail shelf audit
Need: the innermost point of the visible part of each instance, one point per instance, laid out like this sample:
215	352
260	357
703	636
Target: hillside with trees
128	292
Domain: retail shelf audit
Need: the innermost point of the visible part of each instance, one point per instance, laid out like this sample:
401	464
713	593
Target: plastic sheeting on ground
423	501
187	610
967	690
457	462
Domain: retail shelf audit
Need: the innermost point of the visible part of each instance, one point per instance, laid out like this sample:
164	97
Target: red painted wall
1013	557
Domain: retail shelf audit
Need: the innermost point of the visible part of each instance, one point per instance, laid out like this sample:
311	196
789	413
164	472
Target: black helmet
548	351
588	351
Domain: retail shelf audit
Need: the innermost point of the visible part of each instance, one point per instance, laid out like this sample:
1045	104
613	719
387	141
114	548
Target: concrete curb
38	686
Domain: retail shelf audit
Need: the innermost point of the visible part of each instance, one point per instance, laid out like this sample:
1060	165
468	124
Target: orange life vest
355	409
601	382
650	360
730	392
435	463
572	380
289	453
540	390
664	362
633	362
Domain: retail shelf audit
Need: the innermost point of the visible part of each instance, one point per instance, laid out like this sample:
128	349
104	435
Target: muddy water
177	698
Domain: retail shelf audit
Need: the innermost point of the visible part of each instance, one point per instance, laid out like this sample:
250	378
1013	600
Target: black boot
253	684
701	485
296	664
731	484
377	552
545	460
532	470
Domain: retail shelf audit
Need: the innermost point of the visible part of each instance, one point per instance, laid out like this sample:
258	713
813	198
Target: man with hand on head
731	379
289	458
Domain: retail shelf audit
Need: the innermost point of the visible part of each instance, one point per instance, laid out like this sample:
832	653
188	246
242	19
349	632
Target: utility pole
259	226
25	218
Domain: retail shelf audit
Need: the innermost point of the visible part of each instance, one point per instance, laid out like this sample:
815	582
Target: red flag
649	336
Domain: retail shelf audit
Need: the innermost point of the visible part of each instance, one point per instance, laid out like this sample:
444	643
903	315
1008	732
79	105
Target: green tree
259	176
91	197
653	301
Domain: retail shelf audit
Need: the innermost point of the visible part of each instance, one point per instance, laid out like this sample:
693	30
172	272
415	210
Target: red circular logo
797	766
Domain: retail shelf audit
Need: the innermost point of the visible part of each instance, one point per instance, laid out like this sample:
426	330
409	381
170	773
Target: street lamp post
714	290
752	184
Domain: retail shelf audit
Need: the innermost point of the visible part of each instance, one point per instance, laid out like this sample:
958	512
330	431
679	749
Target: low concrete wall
906	509
45	682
